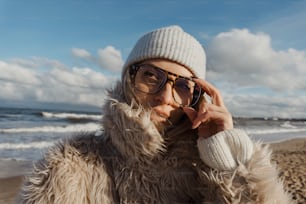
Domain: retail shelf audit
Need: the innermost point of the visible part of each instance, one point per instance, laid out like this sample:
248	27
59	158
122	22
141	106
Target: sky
67	54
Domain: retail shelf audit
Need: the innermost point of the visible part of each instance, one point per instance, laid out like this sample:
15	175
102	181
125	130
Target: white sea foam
71	115
274	130
88	127
287	125
36	145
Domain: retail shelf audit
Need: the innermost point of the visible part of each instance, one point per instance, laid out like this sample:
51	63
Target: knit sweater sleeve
226	149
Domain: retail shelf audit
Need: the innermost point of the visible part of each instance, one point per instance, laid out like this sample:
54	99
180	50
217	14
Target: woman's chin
160	122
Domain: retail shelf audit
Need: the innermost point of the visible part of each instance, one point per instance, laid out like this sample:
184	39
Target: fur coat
131	162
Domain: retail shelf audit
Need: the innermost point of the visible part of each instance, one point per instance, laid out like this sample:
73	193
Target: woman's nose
165	95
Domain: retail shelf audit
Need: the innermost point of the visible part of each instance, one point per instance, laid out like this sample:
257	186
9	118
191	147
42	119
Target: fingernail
187	108
194	125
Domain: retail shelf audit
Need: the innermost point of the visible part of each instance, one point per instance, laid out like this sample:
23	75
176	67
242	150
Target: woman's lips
162	115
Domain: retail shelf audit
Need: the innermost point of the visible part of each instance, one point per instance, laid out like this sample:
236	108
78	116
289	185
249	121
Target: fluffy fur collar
130	129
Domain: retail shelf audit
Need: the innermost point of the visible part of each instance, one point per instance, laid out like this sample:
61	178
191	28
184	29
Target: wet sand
289	155
11	177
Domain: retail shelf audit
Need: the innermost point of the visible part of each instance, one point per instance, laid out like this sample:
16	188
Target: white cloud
44	80
261	105
239	60
109	58
81	53
248	59
52	82
10	91
18	74
97	79
24	63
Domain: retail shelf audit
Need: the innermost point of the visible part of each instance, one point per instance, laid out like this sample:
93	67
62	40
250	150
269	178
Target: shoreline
296	144
290	155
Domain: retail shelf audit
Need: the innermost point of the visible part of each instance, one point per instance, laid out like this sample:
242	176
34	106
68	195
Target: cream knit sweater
226	149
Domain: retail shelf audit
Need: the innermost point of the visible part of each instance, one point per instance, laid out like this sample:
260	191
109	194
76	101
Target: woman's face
165	109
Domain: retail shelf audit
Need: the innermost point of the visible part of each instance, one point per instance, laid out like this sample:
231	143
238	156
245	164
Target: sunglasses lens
149	79
183	91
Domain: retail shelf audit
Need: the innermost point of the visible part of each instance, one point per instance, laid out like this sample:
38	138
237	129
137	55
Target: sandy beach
291	159
289	155
11	176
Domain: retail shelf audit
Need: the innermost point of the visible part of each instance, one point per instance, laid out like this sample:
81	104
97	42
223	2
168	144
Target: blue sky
64	53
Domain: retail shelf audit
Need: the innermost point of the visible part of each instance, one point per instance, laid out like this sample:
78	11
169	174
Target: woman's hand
211	117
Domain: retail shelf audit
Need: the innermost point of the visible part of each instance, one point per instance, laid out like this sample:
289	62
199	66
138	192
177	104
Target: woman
162	140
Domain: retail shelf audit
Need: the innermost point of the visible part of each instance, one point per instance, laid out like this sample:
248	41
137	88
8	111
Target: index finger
212	91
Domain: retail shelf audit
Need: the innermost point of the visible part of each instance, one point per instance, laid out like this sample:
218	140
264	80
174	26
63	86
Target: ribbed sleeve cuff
226	149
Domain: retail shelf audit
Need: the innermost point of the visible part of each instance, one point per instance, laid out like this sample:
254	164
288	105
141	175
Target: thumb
191	113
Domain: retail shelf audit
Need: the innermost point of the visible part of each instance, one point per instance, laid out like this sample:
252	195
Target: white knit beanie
170	43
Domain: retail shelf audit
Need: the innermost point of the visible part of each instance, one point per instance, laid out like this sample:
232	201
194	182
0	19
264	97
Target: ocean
26	133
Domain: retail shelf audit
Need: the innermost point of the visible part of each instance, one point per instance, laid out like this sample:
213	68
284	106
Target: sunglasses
150	79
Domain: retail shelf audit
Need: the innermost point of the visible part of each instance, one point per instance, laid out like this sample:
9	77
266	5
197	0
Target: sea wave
274	131
36	145
88	127
287	124
72	116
